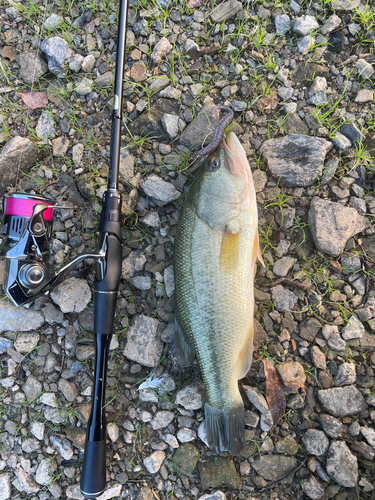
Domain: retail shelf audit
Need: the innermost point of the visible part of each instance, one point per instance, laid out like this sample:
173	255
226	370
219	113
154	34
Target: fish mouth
235	157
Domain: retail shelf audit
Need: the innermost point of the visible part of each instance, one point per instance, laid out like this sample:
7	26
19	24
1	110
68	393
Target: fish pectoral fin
246	356
230	249
184	348
257	254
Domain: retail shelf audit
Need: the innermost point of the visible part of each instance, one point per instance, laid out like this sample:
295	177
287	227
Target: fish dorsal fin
230	249
257	254
246	355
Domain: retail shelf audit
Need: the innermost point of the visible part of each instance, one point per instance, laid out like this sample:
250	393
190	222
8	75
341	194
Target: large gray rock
32	388
353	330
312	488
342	401
225	11
144	344
161	191
62	446
148	123
72	295
16	319
32	66
198	132
5	486
283	298
315	442
57	52
274	467
304	25
191	397
342	465
332	224
296	160
19	153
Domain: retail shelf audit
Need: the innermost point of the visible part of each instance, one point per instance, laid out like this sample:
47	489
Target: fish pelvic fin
184	348
230	250
257	254
225	428
246	355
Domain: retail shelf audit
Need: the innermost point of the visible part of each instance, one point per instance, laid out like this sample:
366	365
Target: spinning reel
26	248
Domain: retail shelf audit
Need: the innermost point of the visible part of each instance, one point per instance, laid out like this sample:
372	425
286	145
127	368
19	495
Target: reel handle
93	475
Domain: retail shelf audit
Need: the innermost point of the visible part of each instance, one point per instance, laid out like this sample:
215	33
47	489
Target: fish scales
215	305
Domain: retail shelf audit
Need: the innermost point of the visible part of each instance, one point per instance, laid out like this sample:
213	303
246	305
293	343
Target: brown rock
309	329
138	72
292	375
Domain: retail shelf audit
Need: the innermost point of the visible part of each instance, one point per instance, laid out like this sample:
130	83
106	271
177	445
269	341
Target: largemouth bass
215	253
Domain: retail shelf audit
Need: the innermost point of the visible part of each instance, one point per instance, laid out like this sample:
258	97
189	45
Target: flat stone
161	191
72	295
342	401
318	99
330	24
26	342
105	80
63	446
148	123
274	467
185	458
68	389
162	48
309	329
37	429
32	66
304	25
52	22
312	488
197	133
218	472
5	487
84	86
342	465
127	161
162	419
352	132
282	24
154	461
170	125
144	345
45	128
30	445
315	442
58	53
44	472
19	153
292	375
318	357
283	298
353	330
88	63
185	435
111	492
191	397
346	374
332	224
225	11
296	160
340	141
25	482
60	146
333	337
138	72
17	319
307	71
365	95
369	434
287	446
283	266
216	495
331	425
365	70
305	44
256	398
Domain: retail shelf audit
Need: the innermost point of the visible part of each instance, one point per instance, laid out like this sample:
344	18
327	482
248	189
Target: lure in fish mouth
215	253
218	133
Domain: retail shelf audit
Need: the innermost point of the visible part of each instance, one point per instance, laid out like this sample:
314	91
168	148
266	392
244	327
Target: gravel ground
300	79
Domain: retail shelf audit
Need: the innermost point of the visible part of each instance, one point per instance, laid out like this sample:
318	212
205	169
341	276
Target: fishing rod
28	273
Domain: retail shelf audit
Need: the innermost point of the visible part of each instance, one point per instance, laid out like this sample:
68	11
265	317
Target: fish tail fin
225	428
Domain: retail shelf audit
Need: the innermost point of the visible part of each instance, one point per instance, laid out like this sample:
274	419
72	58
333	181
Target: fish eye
214	163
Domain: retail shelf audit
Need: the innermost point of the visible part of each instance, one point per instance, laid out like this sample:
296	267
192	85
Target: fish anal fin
230	249
225	428
184	348
257	254
246	356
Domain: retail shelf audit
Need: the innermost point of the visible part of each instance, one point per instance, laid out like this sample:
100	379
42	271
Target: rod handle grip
93	475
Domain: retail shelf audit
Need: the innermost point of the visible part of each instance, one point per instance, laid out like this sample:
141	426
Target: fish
215	253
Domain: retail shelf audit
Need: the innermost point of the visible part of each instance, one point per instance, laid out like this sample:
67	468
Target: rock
365	95
331	425
63	446
283	266
353	330
185	458
105	80
77	154
340	141
218	472
304	25
19	153
332	224
287	446
144	345
111	492
318	357
82	20
292	375
76	62
256	398
138	72
5	487
191	397
53	22
334	340
342	401
169	281
84	87
266	421
32	66
25	342
16	319
283	298
185	435
192	137
149	122
45	128
312	488
162	419
57	52
74	492
162	48
88	63
346	374
309	329
216	495
161	191
225	11
154	461
369	434
349	5
69	389
282	24
305	43
352	132
274	467
37	429
170	125
350	263
296	160
365	70
315	442
336	42
72	295
60	146
126	165
25	482
238	106
330	24
342	465
141	282
318	99
44	473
